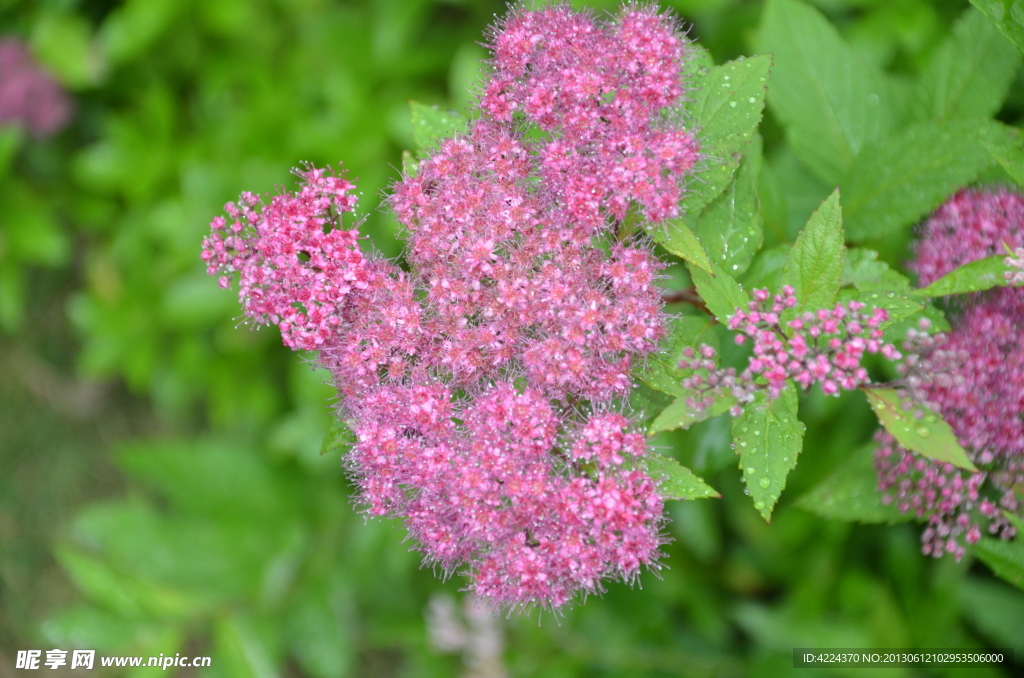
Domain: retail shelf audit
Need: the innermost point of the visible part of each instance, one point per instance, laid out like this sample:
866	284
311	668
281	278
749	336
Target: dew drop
750	469
733	104
746	491
924	431
759	505
764	482
752	100
931	418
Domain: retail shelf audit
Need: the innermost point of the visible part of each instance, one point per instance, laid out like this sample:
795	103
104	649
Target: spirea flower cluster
825	347
29	95
973	376
483	382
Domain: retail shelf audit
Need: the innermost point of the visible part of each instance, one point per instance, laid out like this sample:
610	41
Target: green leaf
730	227
899	306
62	42
969	74
863	270
829	100
766	270
661	371
209	478
123	593
241	649
674	480
980	274
722	294
726	109
896	182
851	493
339	439
929	436
430	125
1007	15
319	628
769	437
681	415
677	238
1006	558
1010	154
815	262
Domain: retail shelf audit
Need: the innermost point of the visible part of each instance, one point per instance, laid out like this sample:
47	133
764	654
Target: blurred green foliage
235	538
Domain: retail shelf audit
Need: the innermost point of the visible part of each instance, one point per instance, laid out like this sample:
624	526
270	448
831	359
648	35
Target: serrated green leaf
675	481
830	101
430	125
898	306
1007	15
769	437
929	436
730	227
726	109
978	275
1006	558
680	415
969	74
676	237
339	439
1010	154
815	262
851	493
661	371
720	292
896	182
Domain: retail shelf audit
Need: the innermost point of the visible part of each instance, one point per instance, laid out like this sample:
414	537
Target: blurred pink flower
28	95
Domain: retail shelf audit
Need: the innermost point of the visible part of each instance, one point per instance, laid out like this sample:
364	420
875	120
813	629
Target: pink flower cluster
599	90
825	347
482	382
28	95
973	376
297	264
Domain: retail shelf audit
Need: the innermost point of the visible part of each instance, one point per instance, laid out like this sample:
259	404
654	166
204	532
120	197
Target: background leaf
430	125
1010	154
851	493
769	437
970	73
1006	558
897	181
1007	15
830	101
